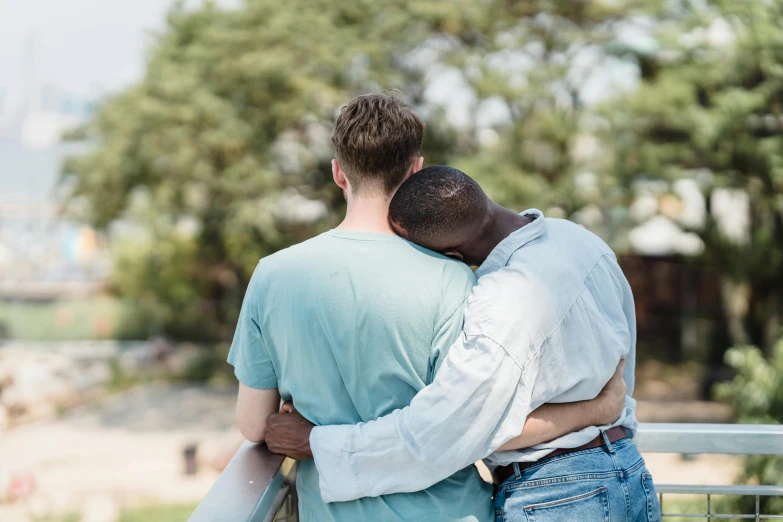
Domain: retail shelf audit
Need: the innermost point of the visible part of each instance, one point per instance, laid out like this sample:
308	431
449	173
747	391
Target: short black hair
438	203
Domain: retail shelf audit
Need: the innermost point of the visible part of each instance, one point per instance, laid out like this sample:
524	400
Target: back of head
439	208
377	137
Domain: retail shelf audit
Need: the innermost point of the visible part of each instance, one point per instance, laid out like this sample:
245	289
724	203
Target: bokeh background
152	152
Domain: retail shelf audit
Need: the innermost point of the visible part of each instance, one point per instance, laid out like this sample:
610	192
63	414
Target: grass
74	319
158	513
68	517
692	504
148	513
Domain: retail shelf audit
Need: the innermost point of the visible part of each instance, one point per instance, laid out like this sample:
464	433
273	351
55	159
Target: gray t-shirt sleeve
249	355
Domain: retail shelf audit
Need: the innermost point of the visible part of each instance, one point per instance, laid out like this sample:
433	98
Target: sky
90	48
84	48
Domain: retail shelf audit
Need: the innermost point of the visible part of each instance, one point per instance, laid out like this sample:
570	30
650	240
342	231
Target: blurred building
43	255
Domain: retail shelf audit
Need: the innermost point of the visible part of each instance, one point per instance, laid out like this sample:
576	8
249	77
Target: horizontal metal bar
688	489
726	439
247	489
712	515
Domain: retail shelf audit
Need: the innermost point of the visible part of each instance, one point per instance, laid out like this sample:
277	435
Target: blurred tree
538	75
220	155
757	395
710	109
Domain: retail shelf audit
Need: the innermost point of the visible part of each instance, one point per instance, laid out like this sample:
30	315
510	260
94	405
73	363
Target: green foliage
232	116
695	504
205	164
535	59
711	109
757	395
220	155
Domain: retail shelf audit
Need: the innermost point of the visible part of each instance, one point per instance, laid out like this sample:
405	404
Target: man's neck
367	214
502	223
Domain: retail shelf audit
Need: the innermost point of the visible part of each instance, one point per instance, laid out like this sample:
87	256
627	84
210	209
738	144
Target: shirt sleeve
446	428
457	284
249	355
444	338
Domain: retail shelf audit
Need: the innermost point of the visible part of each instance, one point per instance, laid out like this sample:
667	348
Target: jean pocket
653	506
588	507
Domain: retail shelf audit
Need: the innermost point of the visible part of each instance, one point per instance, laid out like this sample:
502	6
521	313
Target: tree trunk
736	303
771	323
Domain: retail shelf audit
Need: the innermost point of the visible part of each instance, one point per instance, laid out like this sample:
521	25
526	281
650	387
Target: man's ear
398	229
338	175
418	163
454	254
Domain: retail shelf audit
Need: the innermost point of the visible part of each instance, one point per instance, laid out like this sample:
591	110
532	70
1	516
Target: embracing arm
291	434
476	404
552	421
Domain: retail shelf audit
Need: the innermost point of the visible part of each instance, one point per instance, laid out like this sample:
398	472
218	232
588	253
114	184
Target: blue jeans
610	483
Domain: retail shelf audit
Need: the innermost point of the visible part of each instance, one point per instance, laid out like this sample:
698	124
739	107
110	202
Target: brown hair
376	137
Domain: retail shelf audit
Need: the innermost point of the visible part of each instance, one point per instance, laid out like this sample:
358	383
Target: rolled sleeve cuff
336	477
254	382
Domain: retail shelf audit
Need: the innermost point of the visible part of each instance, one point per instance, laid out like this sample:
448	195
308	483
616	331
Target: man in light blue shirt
549	320
353	323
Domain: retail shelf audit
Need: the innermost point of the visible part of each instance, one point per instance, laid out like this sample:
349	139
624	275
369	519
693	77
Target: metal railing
722	439
256	486
259	486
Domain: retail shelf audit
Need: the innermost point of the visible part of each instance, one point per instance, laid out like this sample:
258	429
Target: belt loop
608	444
517	473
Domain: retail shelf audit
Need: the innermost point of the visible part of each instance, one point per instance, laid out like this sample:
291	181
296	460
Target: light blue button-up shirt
548	321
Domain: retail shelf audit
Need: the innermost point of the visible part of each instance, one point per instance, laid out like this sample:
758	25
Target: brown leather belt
613	434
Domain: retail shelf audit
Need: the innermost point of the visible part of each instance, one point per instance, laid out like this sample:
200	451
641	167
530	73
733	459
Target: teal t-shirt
351	326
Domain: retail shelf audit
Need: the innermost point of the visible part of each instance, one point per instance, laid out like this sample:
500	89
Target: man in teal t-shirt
353	323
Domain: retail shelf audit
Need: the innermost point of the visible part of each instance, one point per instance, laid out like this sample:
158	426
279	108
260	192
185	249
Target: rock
39	386
37	409
63	393
177	364
96	375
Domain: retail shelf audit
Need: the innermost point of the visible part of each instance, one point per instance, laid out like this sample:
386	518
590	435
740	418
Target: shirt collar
500	255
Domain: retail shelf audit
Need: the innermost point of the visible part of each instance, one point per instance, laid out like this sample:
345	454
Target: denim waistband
621	457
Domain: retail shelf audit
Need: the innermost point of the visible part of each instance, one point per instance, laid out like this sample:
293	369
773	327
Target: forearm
551	421
473	406
253	408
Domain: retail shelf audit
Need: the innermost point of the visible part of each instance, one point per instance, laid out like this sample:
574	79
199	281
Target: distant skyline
85	48
89	48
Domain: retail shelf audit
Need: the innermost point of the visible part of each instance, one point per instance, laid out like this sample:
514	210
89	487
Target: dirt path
125	450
